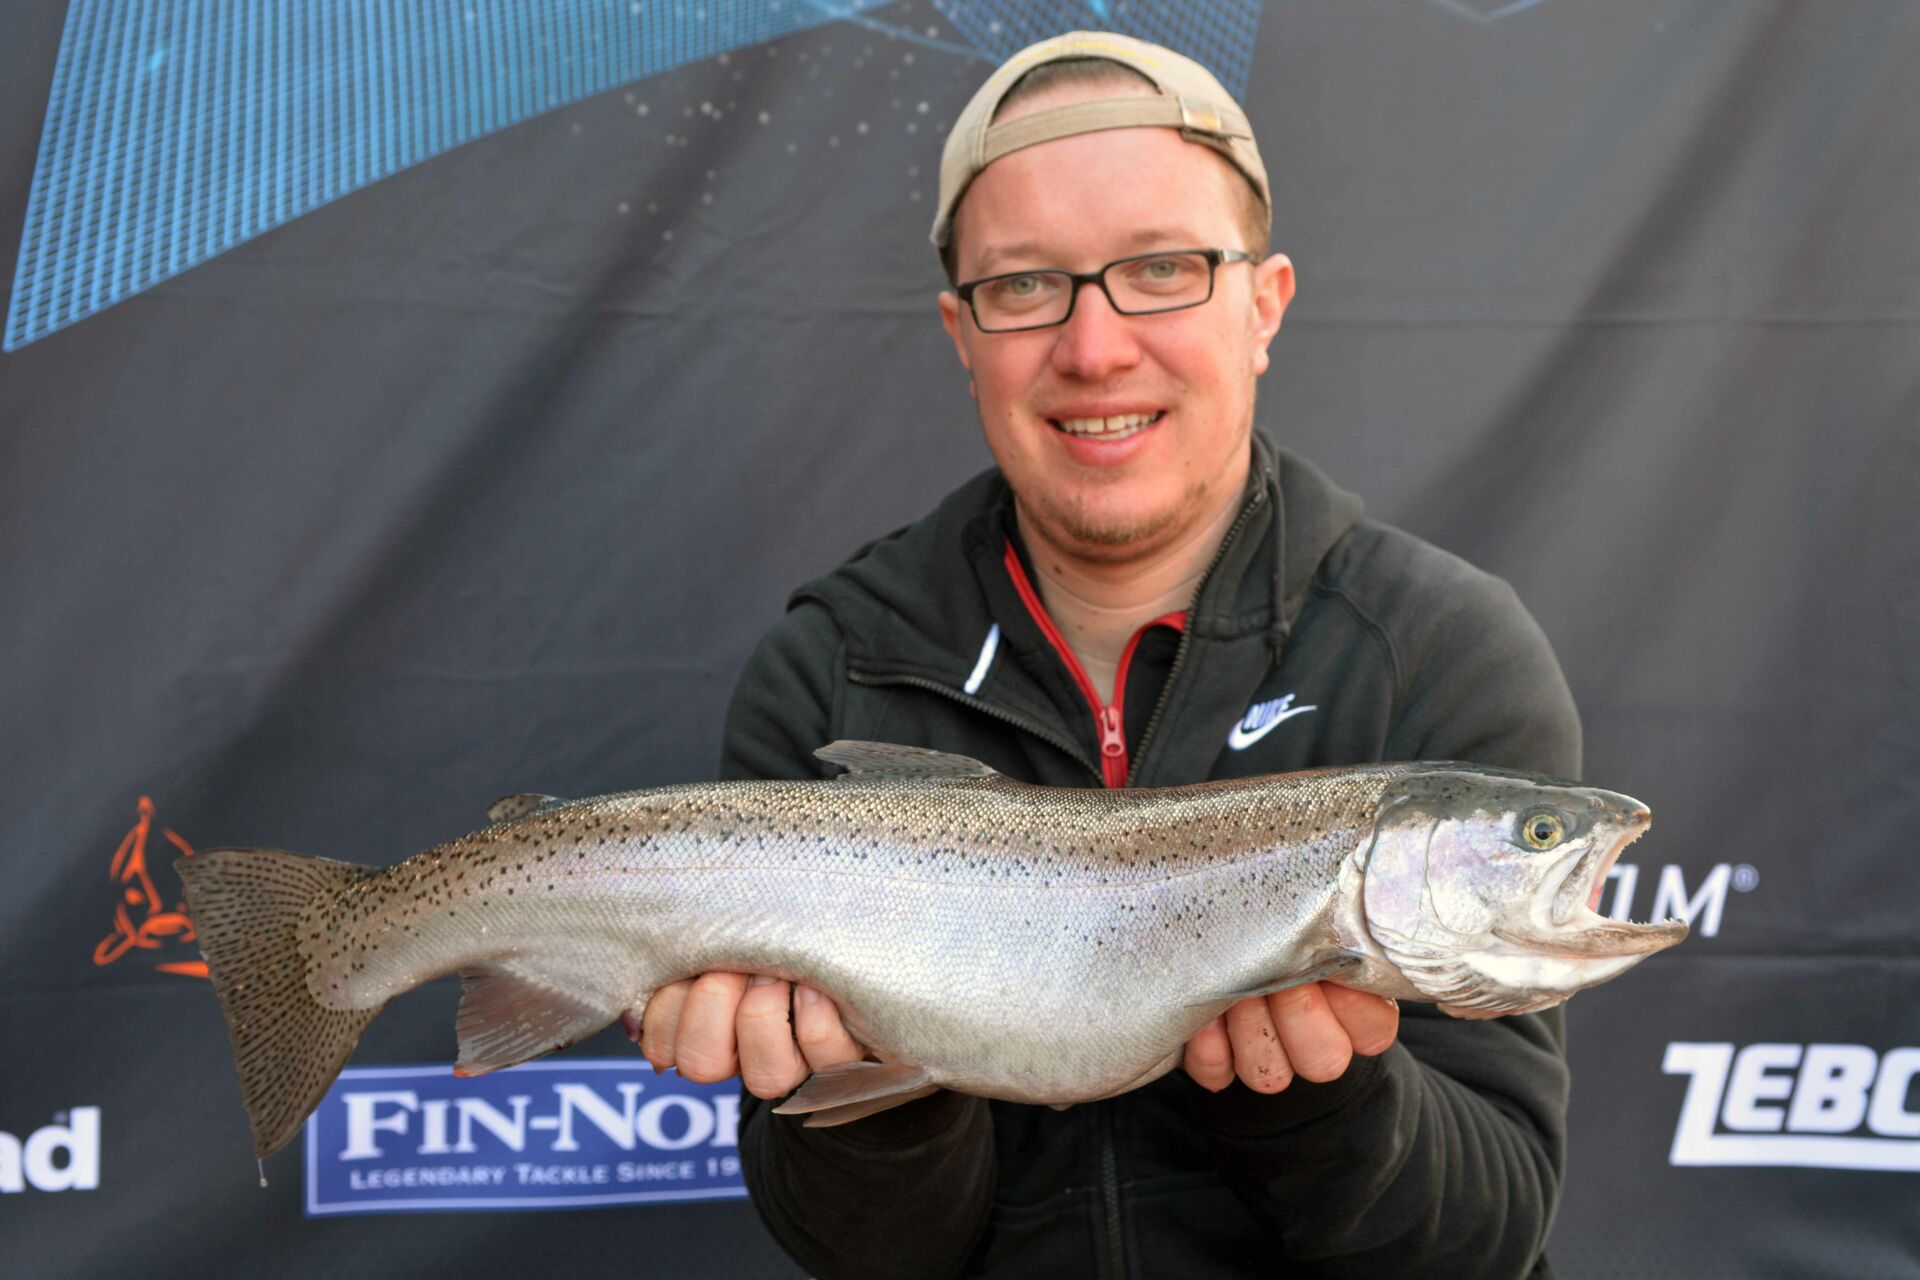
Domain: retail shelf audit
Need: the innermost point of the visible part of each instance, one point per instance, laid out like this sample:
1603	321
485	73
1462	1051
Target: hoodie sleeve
901	1193
1443	1156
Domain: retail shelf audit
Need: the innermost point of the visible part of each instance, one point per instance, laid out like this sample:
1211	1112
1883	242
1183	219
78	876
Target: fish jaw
1564	946
1521	978
1565	923
1598	938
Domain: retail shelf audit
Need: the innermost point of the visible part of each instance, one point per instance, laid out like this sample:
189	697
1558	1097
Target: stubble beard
1105	537
1081	527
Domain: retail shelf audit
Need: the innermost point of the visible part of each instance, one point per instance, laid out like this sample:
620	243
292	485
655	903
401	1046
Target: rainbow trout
1035	944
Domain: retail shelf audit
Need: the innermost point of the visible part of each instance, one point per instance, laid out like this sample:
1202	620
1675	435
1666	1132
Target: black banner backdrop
405	403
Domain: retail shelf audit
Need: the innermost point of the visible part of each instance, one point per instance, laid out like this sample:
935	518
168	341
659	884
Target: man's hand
723	1024
1311	1031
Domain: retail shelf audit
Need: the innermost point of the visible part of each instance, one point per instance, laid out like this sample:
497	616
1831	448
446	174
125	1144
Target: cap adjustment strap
1196	118
1200	116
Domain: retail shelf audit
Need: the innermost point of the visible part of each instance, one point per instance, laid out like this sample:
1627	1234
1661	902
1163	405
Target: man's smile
1107	427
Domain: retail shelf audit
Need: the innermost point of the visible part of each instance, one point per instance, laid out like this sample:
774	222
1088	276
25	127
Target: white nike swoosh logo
1241	738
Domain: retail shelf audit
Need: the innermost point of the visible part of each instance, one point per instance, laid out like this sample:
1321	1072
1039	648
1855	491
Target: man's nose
1096	341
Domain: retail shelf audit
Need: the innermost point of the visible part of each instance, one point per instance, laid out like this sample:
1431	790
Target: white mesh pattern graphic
177	129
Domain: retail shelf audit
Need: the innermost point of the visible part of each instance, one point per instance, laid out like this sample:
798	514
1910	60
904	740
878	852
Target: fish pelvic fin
861	1110
510	1014
247	905
853	1090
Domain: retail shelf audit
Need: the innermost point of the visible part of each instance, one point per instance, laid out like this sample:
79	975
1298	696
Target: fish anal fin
1318	971
888	757
509	1016
835	1095
508	808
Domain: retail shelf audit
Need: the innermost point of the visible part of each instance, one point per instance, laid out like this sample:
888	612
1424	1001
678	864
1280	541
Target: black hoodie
1317	637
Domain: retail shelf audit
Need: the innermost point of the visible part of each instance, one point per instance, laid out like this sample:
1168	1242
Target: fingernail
760	980
806	995
1390	1000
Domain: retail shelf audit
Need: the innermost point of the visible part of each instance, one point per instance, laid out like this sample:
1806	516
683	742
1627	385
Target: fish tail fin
246	906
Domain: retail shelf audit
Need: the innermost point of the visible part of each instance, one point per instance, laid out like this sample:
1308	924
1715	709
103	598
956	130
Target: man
1145	592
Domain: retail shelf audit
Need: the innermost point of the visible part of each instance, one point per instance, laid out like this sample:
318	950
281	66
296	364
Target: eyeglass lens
1158	283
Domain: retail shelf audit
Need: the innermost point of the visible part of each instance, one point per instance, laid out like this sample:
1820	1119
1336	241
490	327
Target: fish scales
1027	943
905	899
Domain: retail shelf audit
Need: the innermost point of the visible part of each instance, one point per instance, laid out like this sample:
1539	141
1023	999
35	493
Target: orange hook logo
141	918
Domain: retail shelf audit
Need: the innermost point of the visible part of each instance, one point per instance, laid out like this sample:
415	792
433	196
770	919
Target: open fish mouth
1578	930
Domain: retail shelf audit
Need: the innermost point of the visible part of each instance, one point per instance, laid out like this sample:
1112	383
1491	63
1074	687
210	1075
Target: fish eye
1543	830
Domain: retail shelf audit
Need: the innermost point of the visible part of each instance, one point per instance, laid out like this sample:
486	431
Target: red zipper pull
1113	747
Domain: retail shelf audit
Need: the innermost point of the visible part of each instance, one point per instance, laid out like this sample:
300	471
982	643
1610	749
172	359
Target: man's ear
1272	291
951	321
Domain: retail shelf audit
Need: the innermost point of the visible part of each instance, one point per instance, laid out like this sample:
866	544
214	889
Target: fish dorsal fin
507	808
508	1016
851	1090
889	757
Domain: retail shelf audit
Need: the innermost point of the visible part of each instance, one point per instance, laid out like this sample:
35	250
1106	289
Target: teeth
1113	428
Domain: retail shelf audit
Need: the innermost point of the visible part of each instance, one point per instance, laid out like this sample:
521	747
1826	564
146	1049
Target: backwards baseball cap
1189	99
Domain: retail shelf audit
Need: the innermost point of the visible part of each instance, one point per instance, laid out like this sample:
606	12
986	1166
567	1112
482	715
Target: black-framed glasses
1142	285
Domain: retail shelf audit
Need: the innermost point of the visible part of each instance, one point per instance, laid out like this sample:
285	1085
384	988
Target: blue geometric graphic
1218	35
177	129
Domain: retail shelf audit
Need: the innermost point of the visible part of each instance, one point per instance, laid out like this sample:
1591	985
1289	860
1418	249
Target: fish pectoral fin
507	808
835	1095
1332	968
888	757
508	1017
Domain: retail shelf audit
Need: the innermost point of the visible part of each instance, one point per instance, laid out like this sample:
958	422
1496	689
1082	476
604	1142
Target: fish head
1481	885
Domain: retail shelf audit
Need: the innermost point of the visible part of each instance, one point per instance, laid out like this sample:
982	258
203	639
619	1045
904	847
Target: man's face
1078	203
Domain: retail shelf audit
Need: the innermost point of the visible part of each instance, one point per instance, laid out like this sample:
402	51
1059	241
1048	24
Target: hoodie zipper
1110	1191
1109	718
1115	768
1102	1113
1115	771
1186	633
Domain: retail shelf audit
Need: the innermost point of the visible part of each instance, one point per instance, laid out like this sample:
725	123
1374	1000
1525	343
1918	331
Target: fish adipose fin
1334	969
509	1016
507	808
887	757
853	1090
246	906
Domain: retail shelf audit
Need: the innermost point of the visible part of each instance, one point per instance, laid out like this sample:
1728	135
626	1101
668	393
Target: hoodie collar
903	613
